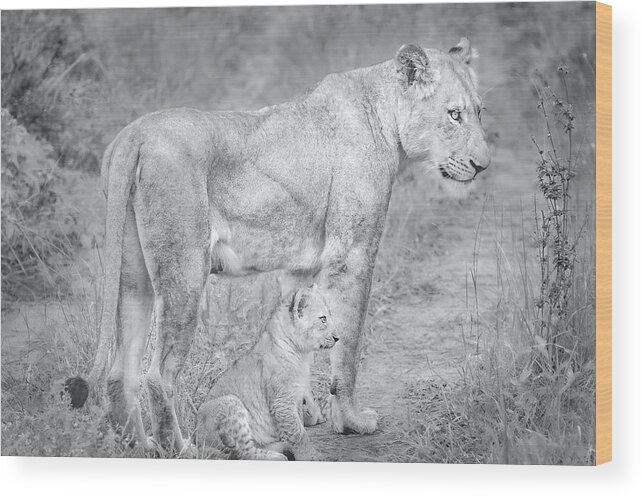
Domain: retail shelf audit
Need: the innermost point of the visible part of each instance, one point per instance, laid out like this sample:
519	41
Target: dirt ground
419	335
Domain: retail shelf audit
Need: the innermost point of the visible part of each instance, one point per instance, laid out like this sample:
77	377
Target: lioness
259	400
302	186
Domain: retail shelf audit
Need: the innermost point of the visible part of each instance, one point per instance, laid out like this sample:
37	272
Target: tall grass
526	394
37	420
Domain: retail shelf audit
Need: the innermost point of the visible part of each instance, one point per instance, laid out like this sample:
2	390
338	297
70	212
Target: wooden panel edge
603	233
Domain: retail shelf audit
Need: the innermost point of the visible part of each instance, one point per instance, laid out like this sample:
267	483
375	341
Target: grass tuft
526	392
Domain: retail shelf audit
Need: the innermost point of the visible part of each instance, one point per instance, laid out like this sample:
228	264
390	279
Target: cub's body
256	409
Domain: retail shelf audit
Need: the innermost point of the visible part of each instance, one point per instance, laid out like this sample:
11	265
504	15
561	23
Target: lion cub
255	409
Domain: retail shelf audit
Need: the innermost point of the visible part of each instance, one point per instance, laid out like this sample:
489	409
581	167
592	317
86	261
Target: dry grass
526	391
36	422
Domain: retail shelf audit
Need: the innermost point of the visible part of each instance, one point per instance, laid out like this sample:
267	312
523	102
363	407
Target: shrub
50	76
562	341
38	232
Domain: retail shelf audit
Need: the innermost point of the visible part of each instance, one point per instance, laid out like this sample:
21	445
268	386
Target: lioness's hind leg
226	419
171	205
133	324
176	311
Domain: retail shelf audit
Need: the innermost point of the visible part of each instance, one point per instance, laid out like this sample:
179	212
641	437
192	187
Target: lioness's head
438	113
311	319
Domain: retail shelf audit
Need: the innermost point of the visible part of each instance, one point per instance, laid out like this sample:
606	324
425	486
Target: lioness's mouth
446	175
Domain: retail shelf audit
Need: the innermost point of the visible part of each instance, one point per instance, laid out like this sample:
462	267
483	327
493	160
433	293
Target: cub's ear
300	301
412	66
463	51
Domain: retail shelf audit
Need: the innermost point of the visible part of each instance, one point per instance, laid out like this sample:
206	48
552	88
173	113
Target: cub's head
312	321
438	113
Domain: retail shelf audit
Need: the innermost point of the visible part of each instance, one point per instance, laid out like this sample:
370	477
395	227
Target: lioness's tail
117	172
227	419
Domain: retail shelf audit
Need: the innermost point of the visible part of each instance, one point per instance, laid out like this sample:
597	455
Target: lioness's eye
455	115
323	319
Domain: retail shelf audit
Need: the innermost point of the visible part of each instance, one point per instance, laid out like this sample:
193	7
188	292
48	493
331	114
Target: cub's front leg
285	411
311	412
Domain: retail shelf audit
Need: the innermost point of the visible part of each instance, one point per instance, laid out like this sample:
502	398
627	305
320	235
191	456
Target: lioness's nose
335	338
477	167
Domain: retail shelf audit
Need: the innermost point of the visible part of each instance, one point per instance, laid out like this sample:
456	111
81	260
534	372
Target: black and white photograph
341	233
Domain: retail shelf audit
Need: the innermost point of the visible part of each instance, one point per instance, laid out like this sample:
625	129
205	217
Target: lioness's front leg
348	280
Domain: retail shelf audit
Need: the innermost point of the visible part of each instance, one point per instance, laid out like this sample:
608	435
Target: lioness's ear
299	302
412	65
463	51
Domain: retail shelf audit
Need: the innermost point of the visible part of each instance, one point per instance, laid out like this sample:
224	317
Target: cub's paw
271	455
282	448
312	413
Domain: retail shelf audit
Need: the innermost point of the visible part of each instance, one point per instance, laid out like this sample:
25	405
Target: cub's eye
323	319
455	115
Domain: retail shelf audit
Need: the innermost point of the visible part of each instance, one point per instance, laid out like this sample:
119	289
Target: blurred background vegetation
72	79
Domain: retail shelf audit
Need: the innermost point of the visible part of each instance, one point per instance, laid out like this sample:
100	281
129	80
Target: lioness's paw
149	444
189	450
346	420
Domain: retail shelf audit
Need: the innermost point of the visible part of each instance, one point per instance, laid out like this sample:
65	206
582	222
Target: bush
50	76
38	231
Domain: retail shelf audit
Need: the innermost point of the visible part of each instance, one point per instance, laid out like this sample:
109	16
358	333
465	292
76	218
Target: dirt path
417	337
420	339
